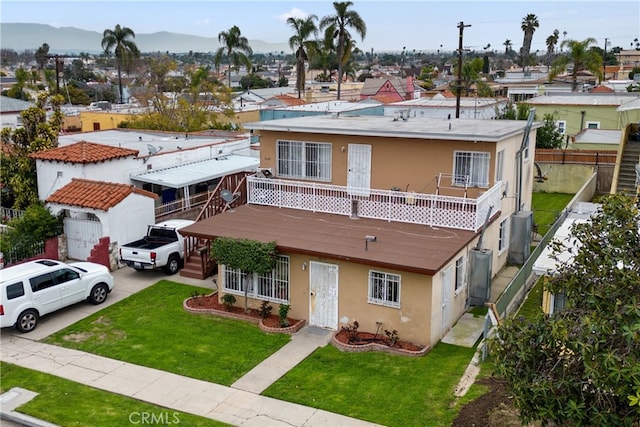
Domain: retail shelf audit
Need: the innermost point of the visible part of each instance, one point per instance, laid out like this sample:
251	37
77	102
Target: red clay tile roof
403	246
289	100
84	152
94	194
602	89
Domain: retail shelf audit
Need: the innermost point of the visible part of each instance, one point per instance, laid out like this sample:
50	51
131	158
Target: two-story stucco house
397	223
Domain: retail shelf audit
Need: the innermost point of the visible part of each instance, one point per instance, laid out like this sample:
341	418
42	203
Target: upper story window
471	167
593	125
304	160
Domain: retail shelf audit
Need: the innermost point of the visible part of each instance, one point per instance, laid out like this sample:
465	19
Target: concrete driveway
127	282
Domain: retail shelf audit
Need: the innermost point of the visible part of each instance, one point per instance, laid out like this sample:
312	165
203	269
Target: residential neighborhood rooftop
421	128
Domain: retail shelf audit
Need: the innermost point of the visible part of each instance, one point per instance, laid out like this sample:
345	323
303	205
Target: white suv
35	288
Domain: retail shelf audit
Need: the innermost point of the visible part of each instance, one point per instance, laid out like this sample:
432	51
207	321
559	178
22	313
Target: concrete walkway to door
302	344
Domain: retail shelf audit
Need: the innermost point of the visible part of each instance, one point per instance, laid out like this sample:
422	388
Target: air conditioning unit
265	172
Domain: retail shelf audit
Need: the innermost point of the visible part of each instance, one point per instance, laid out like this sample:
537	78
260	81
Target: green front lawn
385	389
150	328
67	403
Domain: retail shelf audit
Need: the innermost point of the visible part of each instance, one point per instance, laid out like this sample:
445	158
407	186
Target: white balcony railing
429	209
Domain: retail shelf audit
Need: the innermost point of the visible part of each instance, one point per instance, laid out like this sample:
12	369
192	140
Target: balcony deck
418	208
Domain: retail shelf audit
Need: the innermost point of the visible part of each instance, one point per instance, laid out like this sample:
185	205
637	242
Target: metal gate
82	235
323	295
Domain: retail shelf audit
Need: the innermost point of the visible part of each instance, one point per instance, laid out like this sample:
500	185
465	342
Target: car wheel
98	294
173	265
27	321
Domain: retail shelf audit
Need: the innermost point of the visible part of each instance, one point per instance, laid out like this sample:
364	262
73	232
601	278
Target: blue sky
391	25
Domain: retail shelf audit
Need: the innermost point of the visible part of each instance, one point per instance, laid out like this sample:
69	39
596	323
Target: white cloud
293	13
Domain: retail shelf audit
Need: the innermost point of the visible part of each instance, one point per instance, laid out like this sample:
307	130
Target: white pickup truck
162	247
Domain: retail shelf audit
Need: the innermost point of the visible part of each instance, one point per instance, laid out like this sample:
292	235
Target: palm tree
552	41
580	57
300	43
529	25
120	40
343	19
237	49
507	46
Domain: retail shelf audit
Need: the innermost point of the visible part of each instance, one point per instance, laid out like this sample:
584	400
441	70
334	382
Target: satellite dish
153	150
227	196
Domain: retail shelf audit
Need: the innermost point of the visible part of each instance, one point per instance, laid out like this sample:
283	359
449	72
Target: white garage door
82	235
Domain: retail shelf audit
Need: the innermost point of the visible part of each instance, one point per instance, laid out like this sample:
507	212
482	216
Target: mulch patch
210	302
494	408
364	338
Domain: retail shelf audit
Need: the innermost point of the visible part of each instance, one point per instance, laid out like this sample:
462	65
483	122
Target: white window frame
499	165
562	126
590	125
460	281
379	292
474	164
503	236
273	286
304	160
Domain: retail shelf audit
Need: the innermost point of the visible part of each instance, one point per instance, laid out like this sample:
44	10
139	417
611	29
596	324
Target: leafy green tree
237	49
196	108
120	40
254	81
301	44
18	91
528	26
250	256
17	169
580	57
34	226
581	366
548	135
343	19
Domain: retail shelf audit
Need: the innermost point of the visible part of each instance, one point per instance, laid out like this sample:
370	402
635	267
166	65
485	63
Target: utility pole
461	26
604	60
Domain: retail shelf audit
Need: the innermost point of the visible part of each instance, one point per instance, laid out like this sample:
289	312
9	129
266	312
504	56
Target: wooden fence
578	157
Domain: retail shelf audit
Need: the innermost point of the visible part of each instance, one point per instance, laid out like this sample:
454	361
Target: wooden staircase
627	174
198	263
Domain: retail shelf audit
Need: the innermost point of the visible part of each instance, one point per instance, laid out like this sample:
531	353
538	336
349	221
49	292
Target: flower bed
366	341
209	304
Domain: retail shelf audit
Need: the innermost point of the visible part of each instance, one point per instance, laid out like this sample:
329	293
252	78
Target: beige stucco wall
566	179
105	119
408	164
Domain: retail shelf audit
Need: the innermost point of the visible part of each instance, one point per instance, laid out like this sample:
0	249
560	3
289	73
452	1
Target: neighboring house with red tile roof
58	166
93	209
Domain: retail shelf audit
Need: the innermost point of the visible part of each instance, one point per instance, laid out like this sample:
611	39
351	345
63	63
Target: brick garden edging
292	329
372	346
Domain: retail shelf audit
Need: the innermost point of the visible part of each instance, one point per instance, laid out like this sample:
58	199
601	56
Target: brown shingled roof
94	194
403	246
84	152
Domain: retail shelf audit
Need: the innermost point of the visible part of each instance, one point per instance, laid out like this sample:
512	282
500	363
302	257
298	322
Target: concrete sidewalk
239	404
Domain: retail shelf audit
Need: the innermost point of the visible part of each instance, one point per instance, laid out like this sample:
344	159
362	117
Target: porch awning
196	172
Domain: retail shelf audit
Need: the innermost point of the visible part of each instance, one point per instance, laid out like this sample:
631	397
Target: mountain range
70	40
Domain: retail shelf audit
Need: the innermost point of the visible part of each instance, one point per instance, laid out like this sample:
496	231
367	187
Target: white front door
323	295
359	169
